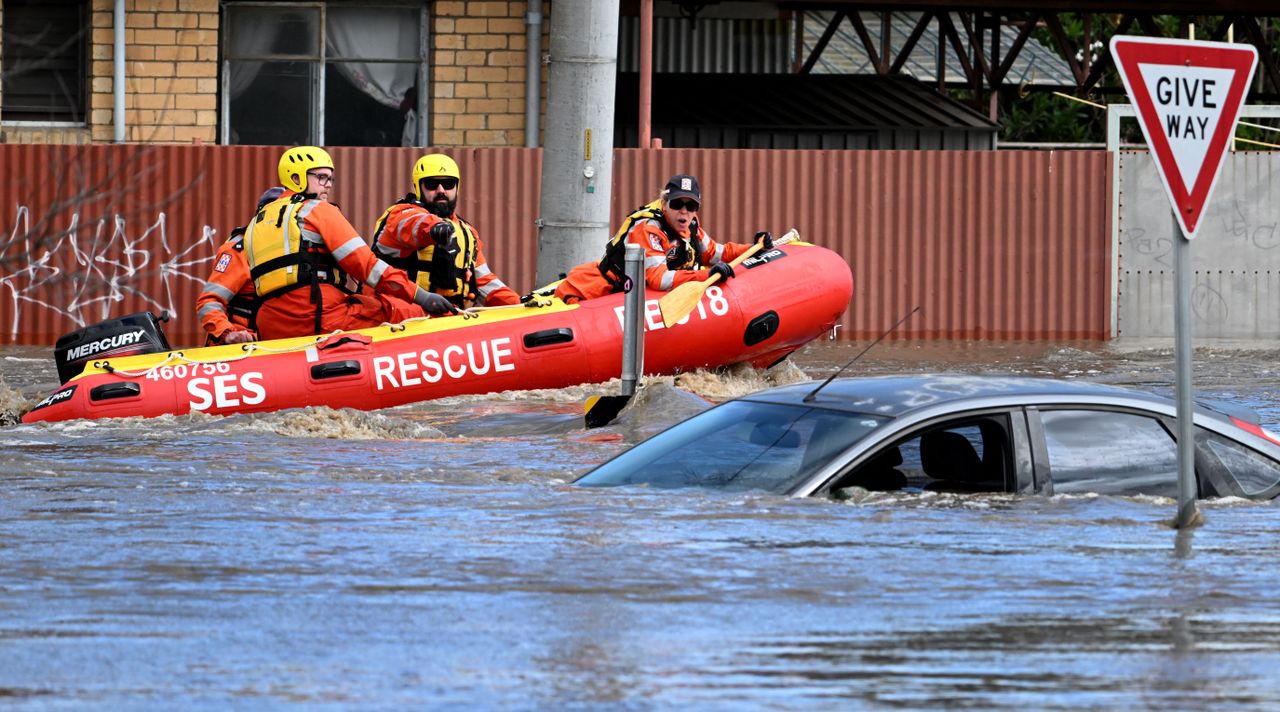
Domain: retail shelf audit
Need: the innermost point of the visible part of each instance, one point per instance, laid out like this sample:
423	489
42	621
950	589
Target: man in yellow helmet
299	246
422	234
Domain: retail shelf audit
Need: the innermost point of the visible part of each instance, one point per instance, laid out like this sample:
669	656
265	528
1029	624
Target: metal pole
117	76
532	73
421	137
577	138
633	321
1187	515
646	73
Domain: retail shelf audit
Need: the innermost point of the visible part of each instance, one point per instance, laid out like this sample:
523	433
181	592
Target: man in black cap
677	249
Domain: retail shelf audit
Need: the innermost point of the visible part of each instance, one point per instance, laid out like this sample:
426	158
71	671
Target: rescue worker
298	248
422	234
676	248
228	303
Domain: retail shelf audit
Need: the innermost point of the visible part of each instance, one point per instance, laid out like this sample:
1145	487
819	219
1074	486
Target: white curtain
383	33
249	38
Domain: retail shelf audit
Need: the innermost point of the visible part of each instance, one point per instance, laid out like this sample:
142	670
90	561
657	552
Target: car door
1080	450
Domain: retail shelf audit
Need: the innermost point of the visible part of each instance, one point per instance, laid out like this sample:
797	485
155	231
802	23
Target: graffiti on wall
84	271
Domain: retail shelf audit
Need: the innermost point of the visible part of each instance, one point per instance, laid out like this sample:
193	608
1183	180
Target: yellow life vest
613	265
447	272
282	253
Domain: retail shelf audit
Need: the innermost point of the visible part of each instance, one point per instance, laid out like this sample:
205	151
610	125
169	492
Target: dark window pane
43	61
271	103
254	31
360	105
1109	453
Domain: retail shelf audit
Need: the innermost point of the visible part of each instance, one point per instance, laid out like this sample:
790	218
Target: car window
960	456
1109	452
1251	471
739	445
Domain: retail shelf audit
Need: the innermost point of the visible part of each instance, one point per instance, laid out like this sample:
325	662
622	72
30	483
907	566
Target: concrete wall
1235	255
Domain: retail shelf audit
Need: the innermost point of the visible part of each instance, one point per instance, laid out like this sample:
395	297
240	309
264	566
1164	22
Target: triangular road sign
1188	96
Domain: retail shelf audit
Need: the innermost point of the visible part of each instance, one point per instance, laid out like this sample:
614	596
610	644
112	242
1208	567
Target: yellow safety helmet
295	163
433	165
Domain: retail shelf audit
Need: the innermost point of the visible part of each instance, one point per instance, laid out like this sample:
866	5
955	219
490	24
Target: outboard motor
126	336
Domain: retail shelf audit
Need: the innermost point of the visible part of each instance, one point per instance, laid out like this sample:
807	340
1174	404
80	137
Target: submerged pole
1187	514
633	321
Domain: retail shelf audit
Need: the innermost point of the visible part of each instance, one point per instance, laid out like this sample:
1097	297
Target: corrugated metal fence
993	245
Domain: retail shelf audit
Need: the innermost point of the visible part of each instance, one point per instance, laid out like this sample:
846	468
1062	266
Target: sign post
1187	96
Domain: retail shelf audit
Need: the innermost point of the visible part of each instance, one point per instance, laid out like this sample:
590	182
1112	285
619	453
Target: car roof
893	396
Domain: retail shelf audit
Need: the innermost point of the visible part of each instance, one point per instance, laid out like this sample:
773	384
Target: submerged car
953	433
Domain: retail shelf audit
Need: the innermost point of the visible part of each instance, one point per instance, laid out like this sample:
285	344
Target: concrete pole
117	74
577	154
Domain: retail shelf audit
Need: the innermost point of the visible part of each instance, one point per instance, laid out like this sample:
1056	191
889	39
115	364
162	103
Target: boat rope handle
534	303
177	356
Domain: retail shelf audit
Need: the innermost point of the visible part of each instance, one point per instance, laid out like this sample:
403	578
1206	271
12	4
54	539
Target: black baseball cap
682	186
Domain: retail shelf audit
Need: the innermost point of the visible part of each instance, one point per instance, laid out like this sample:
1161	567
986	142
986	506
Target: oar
676	304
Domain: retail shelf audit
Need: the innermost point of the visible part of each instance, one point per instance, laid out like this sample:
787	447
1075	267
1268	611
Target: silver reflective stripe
715	256
410	225
668	278
219	291
348	247
482	270
211	307
490	288
307	207
375	274
382	250
312	236
654	261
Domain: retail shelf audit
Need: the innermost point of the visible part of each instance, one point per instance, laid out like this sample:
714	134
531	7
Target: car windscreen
739	445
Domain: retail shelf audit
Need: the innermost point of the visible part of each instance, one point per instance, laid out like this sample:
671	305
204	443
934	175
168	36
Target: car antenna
814	393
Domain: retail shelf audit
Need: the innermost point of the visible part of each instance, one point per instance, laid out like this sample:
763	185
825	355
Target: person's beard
442	207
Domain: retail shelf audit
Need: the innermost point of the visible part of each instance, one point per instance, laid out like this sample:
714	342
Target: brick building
221	71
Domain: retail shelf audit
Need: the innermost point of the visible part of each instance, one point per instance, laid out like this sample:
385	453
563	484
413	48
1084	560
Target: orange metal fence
992	245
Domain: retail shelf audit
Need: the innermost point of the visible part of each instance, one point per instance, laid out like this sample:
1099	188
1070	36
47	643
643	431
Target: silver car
952	433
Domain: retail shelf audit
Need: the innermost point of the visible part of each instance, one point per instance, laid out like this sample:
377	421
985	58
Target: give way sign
1187	95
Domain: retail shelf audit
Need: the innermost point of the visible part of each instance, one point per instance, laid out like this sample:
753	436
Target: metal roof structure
845	52
826	111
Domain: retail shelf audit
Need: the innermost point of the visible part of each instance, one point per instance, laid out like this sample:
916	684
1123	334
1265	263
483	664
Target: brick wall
478	72
171	71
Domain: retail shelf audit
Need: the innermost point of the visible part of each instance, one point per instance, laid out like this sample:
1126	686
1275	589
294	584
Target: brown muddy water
436	556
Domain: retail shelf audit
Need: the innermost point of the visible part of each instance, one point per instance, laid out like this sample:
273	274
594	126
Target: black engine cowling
126	336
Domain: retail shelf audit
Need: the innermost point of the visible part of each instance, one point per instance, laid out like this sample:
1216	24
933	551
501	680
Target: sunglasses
322	178
681	204
433	183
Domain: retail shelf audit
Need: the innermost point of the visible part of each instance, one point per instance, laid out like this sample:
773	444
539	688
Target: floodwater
435	556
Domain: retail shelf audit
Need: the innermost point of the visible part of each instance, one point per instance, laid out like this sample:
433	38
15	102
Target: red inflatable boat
778	301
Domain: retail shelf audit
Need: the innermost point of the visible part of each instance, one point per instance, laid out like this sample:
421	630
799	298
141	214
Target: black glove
721	268
767	238
442	232
433	303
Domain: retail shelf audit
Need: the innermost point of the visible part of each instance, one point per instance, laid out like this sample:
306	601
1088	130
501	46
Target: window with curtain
333	74
43	67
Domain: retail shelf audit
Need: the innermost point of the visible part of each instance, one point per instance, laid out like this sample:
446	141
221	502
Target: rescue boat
778	301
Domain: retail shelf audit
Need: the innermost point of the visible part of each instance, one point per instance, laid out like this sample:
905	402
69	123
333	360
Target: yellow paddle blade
676	304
